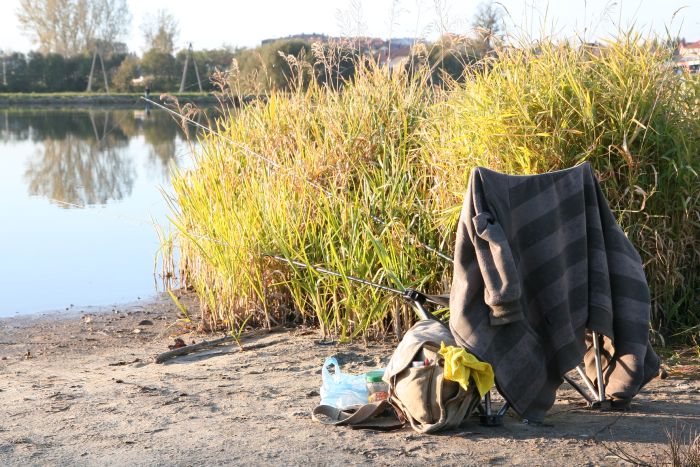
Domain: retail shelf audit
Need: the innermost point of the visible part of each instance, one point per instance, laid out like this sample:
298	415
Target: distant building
313	37
687	56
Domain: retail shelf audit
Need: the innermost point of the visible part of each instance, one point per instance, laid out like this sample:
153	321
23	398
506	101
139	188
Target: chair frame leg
596	399
598	367
589	383
487	417
579	389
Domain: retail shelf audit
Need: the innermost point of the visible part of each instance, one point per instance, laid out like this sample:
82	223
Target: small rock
313	393
21	440
146	322
178	343
87	319
136	331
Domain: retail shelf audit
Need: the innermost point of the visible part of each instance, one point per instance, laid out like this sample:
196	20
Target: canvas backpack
419	395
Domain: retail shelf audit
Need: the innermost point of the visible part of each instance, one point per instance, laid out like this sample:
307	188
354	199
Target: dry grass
683	449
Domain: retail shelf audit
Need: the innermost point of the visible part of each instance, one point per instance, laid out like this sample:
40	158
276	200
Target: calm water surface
79	191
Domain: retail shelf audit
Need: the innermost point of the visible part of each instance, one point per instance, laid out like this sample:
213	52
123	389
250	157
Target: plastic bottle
377	389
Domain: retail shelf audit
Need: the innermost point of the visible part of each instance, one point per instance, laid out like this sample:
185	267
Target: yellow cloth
460	365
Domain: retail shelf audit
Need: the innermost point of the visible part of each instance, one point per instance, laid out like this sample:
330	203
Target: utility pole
4	69
104	74
92	71
184	70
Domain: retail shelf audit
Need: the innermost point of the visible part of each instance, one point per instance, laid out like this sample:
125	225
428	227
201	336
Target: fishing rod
280	168
415	298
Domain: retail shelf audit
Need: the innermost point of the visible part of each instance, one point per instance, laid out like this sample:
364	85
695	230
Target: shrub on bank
355	179
619	106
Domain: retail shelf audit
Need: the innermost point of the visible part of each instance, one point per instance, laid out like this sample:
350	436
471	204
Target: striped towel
539	260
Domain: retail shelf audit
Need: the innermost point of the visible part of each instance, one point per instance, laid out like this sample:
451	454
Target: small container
377	389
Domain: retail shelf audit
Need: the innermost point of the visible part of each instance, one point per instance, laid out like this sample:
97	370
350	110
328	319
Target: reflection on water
83	156
69	181
80	172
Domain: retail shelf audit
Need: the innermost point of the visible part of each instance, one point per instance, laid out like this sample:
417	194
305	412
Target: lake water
79	192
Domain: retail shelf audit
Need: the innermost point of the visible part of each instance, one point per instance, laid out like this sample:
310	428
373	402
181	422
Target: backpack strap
365	416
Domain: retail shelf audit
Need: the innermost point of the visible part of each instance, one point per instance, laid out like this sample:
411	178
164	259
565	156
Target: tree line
259	69
161	71
71	33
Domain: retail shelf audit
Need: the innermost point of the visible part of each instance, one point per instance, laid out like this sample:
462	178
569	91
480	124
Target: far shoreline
85	99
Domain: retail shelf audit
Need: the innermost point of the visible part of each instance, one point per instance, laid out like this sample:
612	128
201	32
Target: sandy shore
83	389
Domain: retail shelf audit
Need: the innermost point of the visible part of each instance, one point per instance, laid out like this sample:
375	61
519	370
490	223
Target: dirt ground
82	388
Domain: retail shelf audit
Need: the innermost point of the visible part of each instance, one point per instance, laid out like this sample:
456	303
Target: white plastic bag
342	390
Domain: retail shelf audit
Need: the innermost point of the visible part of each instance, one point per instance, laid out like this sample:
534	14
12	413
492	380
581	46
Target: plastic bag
342	390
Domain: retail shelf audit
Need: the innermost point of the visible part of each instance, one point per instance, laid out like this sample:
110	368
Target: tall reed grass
389	146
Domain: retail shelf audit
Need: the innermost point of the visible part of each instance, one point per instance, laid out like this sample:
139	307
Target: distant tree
54	73
125	73
16	73
335	64
276	56
267	67
36	63
161	70
72	27
488	24
160	32
77	70
450	59
208	63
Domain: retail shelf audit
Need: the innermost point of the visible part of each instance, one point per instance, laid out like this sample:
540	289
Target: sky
211	24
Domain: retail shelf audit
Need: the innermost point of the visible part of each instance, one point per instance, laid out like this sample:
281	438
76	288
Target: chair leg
579	389
597	400
487	417
598	367
587	380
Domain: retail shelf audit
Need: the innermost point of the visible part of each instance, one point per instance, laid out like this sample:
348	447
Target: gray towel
539	260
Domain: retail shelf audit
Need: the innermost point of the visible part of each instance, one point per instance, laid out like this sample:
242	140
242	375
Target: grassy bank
393	147
75	99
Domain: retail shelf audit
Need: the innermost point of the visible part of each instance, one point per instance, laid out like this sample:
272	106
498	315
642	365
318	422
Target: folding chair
487	415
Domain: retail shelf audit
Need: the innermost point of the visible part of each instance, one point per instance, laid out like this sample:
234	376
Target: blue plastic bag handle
331	361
